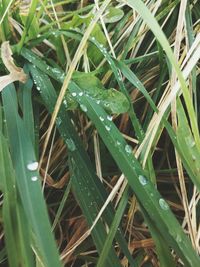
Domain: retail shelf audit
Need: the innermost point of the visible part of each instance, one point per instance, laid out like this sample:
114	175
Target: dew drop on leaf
101	118
65	102
163	204
142	180
128	149
32	166
109	118
107	128
84	108
58	121
34	178
70	144
118	143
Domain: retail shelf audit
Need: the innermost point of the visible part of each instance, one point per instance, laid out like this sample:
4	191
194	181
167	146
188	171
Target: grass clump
99	133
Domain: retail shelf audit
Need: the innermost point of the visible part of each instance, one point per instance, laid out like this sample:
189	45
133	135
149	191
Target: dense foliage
99	133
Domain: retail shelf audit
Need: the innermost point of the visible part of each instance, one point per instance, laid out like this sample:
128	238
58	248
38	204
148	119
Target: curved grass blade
148	196
59	76
86	185
90	180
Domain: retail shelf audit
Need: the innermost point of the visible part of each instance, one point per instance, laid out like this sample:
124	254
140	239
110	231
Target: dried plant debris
15	73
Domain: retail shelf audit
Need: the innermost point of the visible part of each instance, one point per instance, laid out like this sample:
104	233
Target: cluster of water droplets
128	149
32	167
37	82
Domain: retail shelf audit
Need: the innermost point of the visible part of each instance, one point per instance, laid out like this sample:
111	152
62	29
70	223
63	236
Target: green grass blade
29	20
81	185
17	231
113	229
61	205
189	150
22	153
153	203
155	28
162	249
88	180
27	109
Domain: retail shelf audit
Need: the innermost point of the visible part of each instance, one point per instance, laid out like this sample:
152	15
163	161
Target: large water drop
83	107
32	166
163	204
142	180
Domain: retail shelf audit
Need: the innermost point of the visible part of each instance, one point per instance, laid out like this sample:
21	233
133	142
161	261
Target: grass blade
153	203
27	181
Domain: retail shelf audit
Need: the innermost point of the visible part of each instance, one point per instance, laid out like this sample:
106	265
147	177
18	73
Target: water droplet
80	94
163	204
70	144
192	144
32	166
193	157
101	45
142	180
84	108
190	141
101	118
65	102
56	71
128	149
107	128
98	102
74	94
34	178
109	118
118	143
178	238
58	121
93	39
38	88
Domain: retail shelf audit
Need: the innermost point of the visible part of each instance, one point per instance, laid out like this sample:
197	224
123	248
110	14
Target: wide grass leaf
189	151
16	229
28	182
